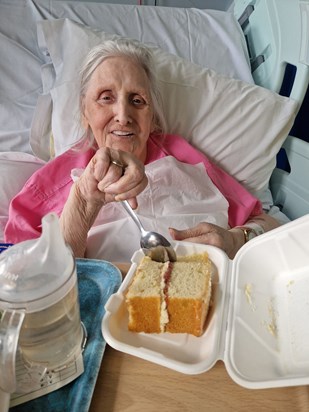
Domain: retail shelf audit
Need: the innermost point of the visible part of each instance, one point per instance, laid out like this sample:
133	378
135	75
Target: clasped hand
103	181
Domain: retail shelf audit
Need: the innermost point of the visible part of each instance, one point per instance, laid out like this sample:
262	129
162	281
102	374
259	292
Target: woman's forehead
121	69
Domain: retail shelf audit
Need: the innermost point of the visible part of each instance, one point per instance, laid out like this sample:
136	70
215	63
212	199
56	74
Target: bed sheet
190	33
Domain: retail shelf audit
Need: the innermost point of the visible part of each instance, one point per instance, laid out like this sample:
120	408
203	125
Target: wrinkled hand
210	234
103	182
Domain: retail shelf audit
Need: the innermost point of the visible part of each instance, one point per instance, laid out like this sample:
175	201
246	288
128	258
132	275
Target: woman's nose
122	112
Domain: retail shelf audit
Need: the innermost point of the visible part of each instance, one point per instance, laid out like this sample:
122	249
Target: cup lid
33	270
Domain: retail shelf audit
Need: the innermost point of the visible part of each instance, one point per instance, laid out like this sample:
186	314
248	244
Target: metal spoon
152	243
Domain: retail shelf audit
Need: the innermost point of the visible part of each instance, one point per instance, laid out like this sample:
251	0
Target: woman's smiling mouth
120	133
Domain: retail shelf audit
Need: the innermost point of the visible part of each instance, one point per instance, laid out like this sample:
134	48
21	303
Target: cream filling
164	318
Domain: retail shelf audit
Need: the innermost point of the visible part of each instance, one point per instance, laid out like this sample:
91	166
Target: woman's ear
153	124
84	122
83	119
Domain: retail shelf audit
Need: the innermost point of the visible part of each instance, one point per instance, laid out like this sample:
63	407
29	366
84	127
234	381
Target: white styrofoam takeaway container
257	324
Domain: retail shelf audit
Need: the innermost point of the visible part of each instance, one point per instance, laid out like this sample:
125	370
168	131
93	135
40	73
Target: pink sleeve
27	209
242	205
46	191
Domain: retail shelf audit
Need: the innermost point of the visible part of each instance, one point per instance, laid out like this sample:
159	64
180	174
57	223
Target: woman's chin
126	145
129	146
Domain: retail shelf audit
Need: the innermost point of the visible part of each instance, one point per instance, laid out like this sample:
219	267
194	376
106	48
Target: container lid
267	340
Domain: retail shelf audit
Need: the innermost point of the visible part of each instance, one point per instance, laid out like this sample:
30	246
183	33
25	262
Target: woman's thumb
177	234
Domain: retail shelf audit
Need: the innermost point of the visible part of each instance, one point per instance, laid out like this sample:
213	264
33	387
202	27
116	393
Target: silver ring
118	164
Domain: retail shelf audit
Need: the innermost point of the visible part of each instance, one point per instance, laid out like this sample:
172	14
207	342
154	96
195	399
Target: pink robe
48	189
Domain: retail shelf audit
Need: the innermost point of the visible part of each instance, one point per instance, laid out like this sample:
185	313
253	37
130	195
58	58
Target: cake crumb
272	324
248	294
289	284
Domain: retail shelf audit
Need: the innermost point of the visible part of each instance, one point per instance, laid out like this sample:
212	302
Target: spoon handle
133	215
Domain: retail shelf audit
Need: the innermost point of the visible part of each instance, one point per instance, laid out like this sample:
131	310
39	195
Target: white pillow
239	125
15	170
175	29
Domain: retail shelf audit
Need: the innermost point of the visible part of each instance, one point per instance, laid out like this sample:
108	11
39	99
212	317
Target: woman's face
117	106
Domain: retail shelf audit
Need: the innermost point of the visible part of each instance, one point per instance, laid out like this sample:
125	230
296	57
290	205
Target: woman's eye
138	101
105	97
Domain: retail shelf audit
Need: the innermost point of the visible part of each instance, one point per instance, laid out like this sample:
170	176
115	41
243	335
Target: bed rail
277	35
290	188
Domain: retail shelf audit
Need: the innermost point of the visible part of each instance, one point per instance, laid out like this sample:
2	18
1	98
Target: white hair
135	50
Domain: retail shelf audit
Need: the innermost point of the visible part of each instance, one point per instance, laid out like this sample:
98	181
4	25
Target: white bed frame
277	33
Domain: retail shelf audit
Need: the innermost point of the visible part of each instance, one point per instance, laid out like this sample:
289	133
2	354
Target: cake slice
170	297
144	298
188	297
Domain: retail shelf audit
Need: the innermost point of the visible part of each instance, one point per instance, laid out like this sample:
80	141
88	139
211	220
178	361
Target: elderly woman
123	121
